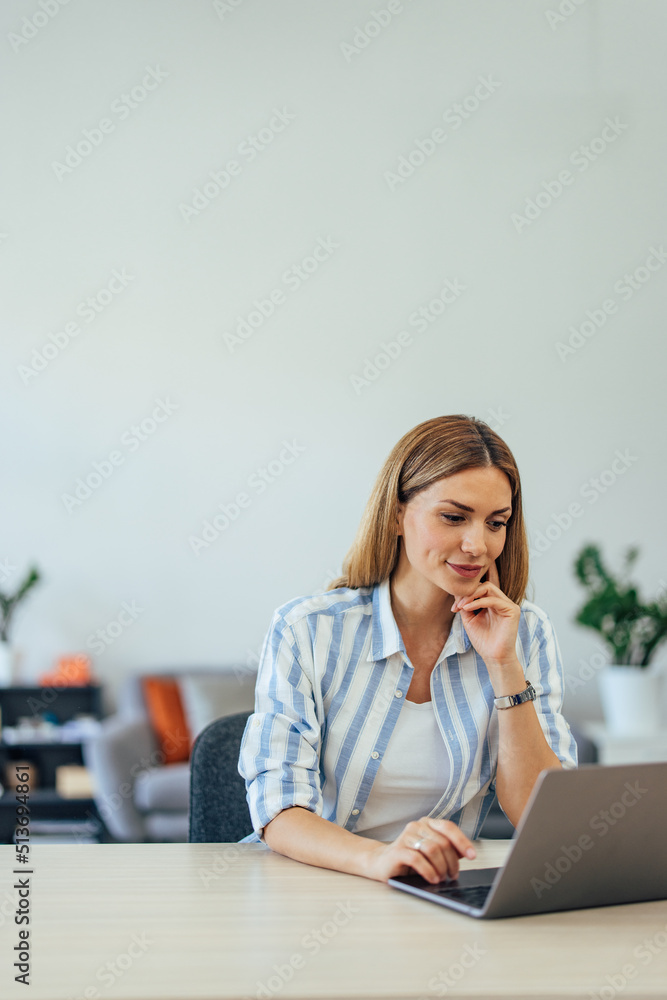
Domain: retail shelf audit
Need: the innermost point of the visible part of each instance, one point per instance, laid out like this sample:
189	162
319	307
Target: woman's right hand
441	844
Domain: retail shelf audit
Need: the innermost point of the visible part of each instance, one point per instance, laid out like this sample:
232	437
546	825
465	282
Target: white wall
219	72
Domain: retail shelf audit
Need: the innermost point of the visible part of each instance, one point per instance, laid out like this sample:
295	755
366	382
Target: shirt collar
386	635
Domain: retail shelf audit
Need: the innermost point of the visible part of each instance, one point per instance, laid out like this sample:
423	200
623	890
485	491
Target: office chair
218	806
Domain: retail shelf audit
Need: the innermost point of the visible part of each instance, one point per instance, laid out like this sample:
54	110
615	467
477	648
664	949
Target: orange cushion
165	710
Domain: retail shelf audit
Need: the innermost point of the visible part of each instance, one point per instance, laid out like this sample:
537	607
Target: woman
382	727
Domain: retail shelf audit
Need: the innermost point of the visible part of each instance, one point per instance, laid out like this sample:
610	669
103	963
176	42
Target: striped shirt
332	678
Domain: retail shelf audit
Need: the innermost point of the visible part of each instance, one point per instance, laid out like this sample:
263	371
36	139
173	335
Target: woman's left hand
493	630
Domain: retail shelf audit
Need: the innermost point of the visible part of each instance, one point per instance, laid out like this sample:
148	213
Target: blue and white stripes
332	678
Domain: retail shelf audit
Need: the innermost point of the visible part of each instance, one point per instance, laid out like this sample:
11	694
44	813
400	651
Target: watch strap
510	700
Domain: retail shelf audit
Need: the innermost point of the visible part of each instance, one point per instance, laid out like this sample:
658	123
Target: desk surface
187	921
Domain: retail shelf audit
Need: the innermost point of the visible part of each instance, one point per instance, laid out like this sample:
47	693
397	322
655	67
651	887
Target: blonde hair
430	451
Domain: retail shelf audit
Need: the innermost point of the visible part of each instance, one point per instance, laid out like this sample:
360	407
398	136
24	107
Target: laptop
591	836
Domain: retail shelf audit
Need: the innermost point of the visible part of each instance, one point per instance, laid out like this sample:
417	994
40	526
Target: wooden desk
221	920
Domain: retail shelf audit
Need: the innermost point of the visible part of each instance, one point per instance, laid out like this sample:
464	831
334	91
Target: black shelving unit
45	802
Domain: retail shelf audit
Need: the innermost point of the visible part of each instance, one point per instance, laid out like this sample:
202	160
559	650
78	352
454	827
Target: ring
417	846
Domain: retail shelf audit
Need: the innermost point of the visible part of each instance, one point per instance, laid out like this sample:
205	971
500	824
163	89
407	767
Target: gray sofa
139	796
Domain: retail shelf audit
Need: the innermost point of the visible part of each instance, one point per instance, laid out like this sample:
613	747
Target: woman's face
456	521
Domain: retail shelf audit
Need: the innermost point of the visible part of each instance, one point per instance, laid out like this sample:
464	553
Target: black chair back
218	805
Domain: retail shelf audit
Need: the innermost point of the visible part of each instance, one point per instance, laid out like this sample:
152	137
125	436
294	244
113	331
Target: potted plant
8	605
629	689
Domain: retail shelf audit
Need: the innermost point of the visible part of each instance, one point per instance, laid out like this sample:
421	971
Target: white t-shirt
411	778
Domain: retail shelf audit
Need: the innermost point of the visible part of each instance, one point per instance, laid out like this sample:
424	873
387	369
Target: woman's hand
493	630
440	845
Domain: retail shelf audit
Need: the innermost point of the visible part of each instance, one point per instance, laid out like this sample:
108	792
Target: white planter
6	665
631	700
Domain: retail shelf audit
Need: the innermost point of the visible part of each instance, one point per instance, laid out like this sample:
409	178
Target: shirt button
257	722
375	755
355	812
398	694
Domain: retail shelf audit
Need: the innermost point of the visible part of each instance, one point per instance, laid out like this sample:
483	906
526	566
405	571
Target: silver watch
510	700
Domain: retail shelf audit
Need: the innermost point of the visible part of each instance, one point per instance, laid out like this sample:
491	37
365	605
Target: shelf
61	702
621	749
42	796
35	744
32	688
599	731
46	756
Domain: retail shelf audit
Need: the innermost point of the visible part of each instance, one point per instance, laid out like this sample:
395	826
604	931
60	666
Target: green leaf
615	609
9	603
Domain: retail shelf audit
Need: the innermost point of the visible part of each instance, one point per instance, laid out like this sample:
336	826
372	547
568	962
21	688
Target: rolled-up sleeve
280	749
545	672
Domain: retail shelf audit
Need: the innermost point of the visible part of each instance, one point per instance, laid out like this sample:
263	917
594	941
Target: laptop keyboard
474	895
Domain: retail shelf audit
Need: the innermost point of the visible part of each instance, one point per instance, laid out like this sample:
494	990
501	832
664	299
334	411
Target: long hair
432	450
